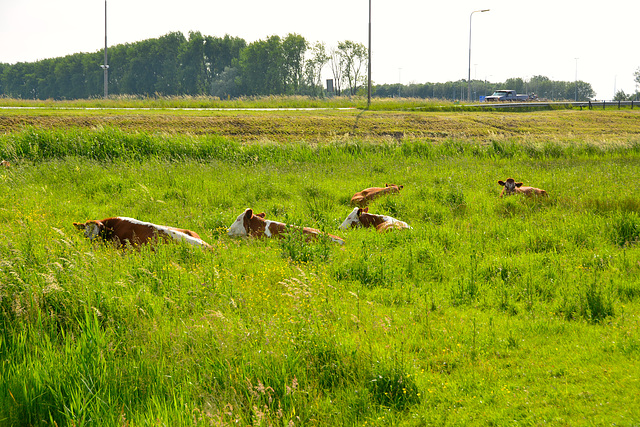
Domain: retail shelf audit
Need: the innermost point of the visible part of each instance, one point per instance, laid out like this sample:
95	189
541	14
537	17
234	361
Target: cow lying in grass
513	187
364	197
362	218
254	225
123	231
5	164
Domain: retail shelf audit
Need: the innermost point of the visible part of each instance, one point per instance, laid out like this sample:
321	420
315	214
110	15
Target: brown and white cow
123	230
360	217
362	198
254	225
5	164
513	187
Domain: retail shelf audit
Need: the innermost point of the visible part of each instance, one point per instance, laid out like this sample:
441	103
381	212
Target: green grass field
489	311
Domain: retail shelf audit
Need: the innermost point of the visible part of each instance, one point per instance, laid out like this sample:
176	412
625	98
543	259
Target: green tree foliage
274	66
353	57
169	65
193	70
294	47
222	53
314	66
261	63
516	84
225	85
621	96
228	67
146	67
337	69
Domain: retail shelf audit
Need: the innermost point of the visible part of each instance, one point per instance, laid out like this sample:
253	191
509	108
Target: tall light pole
576	79
105	66
369	64
469	79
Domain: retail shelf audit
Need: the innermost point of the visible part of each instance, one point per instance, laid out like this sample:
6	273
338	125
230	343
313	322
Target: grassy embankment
489	311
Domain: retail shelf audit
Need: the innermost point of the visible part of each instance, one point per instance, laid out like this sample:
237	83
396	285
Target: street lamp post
576	80
369	62
105	66
469	79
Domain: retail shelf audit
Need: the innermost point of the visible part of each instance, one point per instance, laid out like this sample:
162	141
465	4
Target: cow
255	225
360	217
362	198
5	164
513	187
123	231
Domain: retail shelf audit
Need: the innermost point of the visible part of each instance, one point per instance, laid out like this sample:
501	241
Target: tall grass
34	144
488	311
195	102
274	101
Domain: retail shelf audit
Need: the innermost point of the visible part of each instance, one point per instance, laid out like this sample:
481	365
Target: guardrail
595	104
537	104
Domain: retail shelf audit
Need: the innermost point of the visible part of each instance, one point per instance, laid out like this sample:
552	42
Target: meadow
489	311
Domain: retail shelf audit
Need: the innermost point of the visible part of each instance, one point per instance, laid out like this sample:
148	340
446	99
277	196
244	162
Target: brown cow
362	218
513	187
5	164
122	230
362	198
254	225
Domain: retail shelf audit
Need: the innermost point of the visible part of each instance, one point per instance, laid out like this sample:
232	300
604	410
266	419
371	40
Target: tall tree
314	66
294	47
168	73
220	53
354	57
262	70
337	69
515	83
193	70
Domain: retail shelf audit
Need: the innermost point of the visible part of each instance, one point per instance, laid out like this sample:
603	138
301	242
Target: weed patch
625	229
393	389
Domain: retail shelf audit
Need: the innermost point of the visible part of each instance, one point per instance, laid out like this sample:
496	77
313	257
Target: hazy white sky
412	40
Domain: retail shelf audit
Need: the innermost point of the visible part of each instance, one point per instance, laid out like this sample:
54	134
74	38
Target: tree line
228	67
198	65
541	86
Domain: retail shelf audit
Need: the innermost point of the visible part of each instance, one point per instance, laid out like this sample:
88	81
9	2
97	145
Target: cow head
91	228
353	220
242	225
394	187
510	185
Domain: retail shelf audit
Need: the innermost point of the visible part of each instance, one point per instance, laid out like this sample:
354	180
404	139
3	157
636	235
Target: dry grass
605	127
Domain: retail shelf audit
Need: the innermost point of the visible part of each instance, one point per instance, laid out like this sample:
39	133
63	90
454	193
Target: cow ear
386	185
261	215
246	219
366	209
518	184
400	187
501	182
79	225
